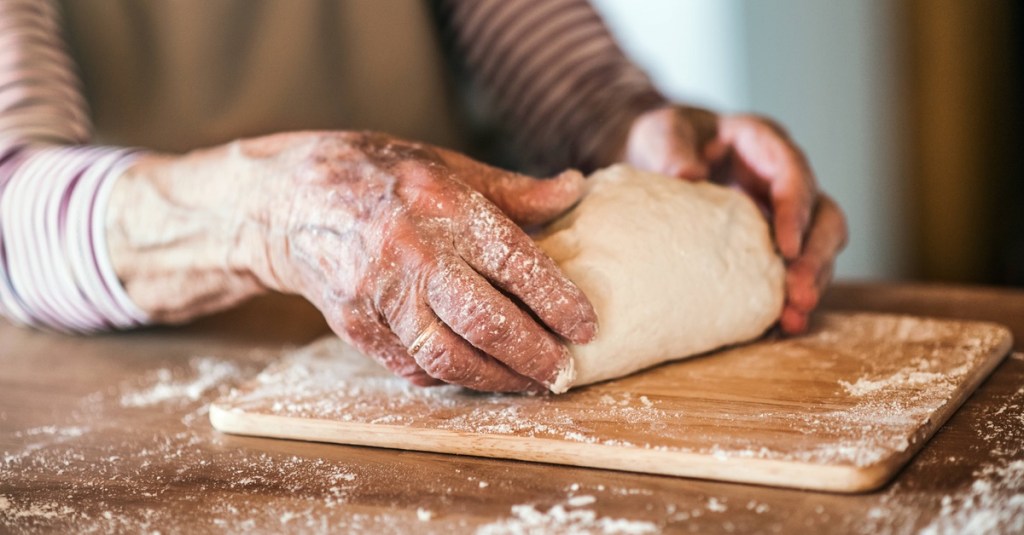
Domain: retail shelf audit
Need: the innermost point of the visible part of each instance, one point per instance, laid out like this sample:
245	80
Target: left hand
756	156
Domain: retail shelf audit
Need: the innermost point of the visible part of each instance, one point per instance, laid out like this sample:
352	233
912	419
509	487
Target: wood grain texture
74	458
841	409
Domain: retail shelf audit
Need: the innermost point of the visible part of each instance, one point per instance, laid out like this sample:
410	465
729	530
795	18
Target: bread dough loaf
673	269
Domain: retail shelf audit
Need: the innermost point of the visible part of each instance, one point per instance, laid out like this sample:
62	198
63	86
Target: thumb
524	199
530	201
666	141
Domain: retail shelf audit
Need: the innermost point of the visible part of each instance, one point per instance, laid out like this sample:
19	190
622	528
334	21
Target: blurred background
910	112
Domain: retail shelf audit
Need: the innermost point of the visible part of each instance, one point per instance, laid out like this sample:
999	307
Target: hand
757	156
405	248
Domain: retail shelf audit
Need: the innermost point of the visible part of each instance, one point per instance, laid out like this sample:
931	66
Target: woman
413	252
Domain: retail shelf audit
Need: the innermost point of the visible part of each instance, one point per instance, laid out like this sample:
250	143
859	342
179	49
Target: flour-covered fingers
506	256
378	224
489	320
524	199
441	354
367	332
447	356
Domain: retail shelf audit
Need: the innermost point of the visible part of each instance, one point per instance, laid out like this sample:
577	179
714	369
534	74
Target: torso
179	75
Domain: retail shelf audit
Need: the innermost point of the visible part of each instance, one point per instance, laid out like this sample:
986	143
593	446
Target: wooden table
110	433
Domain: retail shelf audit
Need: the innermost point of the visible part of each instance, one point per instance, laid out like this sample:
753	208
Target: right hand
756	156
401	244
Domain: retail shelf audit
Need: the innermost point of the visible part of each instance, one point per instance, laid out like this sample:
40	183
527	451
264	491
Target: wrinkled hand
755	155
408	252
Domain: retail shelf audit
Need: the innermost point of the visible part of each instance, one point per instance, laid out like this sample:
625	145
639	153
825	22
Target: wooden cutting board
839	409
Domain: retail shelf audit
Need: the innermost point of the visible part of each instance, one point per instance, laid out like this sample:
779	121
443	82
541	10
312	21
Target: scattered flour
46	510
716	506
42	437
580	501
207	373
993	504
913	376
758	507
527	519
990	500
52	430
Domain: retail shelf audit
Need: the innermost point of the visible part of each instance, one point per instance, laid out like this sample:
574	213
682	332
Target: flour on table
564	518
673	269
207	373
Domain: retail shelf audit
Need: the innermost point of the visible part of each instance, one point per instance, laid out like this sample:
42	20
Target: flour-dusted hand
756	155
399	246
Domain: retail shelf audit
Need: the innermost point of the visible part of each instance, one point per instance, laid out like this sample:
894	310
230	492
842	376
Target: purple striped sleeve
553	74
54	267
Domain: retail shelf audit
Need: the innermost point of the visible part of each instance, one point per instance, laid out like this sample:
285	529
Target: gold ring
425	334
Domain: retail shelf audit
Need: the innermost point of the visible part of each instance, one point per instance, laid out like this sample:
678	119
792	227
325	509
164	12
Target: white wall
823	69
691	48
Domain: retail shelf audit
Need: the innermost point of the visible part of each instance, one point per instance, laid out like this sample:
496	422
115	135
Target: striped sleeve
54	268
553	75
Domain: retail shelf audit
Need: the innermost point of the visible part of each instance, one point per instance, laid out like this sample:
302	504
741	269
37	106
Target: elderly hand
405	248
756	156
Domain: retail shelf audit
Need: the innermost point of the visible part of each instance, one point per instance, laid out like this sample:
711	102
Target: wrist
178	232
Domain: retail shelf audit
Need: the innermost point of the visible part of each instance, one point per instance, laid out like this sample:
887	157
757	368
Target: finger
447	356
524	199
424	339
809	276
367	332
796	313
794	321
827	240
490	321
506	256
792	203
772	169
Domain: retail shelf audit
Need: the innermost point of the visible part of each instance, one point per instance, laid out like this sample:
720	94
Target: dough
672	268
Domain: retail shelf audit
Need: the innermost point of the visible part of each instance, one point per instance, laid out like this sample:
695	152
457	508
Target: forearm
554	76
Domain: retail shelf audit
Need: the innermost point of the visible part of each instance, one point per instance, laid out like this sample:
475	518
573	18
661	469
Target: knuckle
418	377
769	124
444	362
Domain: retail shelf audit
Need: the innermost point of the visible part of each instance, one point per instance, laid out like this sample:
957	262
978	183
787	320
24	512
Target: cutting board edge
844	479
925	433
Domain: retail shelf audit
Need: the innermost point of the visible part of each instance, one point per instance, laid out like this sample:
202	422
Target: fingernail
583	332
565	377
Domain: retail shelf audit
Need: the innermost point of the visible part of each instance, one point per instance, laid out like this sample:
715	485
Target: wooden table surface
110	433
